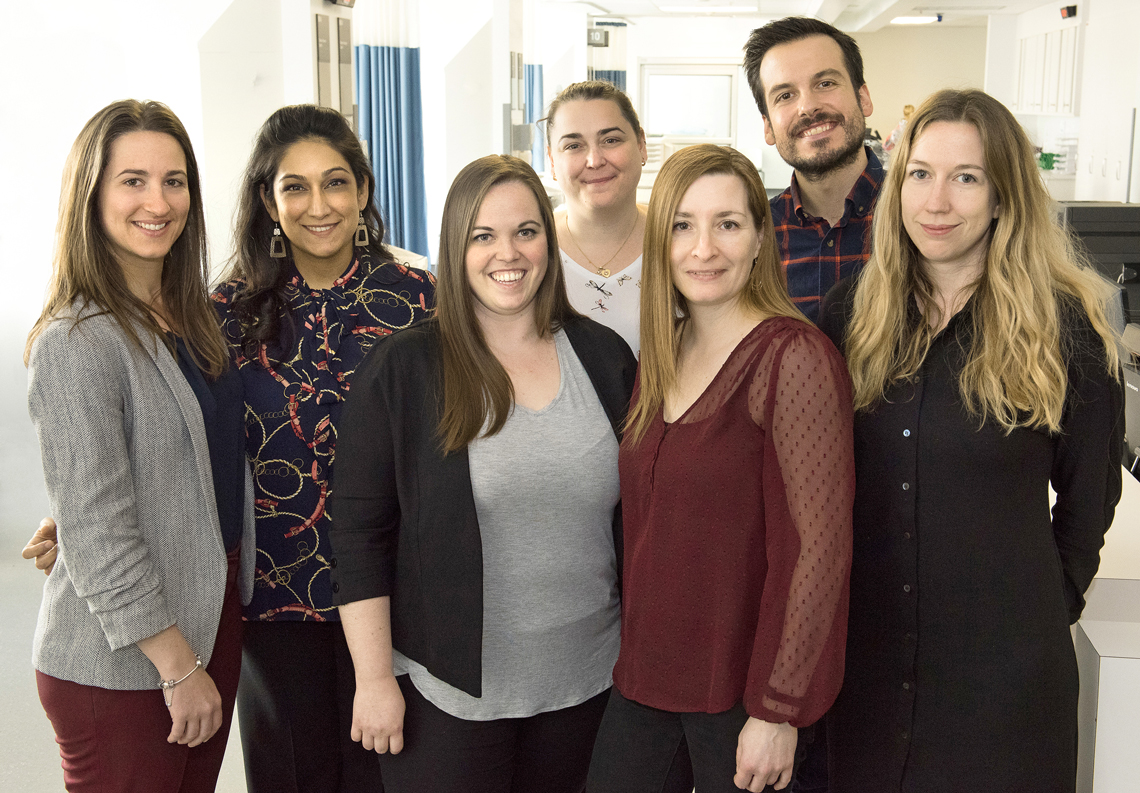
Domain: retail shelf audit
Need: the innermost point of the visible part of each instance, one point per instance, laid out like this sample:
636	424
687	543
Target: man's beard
818	164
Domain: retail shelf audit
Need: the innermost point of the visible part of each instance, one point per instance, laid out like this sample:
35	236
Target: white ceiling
850	15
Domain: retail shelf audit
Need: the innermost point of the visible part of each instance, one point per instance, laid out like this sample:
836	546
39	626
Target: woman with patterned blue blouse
310	290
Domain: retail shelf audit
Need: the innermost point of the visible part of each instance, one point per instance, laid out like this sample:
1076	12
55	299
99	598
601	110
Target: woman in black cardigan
456	430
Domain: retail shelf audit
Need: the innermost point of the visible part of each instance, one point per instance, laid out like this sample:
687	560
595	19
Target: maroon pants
115	741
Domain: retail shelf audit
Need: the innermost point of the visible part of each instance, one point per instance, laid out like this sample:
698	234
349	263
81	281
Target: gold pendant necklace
603	270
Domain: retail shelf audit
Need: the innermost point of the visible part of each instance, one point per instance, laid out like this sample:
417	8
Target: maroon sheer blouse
738	536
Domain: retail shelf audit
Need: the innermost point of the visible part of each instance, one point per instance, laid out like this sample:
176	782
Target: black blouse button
336	587
906	535
906	485
332	562
906	587
906	433
906	686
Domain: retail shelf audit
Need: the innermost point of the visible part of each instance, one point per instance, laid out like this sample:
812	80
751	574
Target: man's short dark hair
787	30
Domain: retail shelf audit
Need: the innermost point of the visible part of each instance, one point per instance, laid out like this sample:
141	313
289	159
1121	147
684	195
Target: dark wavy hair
787	30
85	267
259	304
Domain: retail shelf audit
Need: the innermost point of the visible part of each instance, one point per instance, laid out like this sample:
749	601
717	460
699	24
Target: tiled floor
29	762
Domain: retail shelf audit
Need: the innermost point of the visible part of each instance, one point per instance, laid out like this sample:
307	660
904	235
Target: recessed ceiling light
913	20
706	9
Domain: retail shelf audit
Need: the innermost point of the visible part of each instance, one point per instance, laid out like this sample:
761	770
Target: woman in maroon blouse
737	485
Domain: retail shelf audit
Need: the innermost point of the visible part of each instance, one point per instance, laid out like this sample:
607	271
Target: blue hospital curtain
611	76
391	124
535	111
609	62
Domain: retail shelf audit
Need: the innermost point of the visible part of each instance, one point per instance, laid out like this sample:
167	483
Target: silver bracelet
168	685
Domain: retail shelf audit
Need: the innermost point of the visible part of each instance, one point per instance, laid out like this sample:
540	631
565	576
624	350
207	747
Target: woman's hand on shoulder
42	547
765	754
378	715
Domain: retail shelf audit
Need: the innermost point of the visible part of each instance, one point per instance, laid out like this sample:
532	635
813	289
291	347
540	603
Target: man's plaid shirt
817	255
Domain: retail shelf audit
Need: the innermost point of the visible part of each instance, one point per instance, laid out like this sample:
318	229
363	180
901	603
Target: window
690	101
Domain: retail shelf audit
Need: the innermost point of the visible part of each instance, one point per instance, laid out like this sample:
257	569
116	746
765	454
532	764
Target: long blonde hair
85	268
1015	370
476	387
663	307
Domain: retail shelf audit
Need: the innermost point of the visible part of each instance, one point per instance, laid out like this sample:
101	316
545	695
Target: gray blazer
128	475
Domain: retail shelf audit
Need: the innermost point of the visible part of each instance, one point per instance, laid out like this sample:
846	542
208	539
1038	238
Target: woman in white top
596	148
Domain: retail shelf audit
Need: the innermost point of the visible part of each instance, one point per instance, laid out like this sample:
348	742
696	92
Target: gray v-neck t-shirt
545	488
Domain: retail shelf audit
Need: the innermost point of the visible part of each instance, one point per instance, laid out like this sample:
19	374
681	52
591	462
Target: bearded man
807	79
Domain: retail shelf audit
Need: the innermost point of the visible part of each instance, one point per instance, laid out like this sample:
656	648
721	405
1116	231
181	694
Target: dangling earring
361	238
277	243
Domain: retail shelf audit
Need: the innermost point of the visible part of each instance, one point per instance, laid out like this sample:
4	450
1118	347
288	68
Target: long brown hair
477	390
1015	371
663	307
260	304
84	266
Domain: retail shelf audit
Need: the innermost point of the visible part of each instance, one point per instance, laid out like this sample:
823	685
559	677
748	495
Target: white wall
62	62
904	65
559	36
1110	91
465	83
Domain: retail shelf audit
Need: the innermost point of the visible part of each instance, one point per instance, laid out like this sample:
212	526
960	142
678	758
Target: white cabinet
1047	72
1110	93
1068	79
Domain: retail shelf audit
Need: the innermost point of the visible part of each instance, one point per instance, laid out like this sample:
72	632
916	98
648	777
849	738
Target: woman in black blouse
984	372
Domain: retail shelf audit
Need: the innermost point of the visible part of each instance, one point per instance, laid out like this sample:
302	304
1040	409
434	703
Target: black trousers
545	753
637	745
811	773
295	711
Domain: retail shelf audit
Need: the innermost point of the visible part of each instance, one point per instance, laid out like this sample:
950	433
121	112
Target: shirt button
336	587
906	485
831	243
906	535
906	433
332	562
906	686
906	587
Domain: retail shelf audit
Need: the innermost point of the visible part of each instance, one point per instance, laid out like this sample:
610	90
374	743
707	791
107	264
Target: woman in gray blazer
137	647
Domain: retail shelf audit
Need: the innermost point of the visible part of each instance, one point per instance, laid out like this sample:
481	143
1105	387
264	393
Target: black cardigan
403	515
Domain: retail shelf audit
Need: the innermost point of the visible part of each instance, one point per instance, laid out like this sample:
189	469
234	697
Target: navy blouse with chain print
293	407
